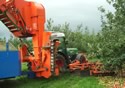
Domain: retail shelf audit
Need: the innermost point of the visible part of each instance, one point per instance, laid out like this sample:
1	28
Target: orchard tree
112	36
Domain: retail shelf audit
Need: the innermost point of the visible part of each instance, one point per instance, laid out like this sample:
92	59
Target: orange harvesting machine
27	19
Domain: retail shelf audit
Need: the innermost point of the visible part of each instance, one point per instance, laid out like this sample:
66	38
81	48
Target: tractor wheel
60	62
81	58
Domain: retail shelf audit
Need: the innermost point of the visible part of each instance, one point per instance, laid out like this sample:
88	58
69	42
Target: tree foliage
112	36
80	37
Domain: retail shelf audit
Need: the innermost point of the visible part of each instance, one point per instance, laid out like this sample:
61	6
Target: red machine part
26	19
81	63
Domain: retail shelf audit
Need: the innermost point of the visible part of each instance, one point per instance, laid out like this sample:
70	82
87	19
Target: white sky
73	11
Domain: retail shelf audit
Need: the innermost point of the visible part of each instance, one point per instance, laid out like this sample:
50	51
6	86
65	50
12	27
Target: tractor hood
72	51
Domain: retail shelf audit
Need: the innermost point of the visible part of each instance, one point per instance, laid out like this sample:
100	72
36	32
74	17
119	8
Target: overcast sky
73	11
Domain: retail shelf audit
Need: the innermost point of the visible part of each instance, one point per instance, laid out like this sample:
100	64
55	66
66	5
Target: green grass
63	81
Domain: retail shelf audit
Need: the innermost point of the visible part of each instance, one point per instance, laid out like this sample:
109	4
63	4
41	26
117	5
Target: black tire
81	58
62	59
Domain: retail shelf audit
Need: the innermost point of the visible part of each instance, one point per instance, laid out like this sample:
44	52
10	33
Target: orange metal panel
33	15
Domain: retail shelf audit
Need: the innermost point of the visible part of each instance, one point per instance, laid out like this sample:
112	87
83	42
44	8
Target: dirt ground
112	82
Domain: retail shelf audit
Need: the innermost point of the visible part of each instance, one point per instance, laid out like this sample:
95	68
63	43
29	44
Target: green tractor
64	55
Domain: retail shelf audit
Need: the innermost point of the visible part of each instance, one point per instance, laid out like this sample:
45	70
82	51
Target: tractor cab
68	53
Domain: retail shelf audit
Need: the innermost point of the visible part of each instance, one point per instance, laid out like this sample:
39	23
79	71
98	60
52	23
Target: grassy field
63	81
